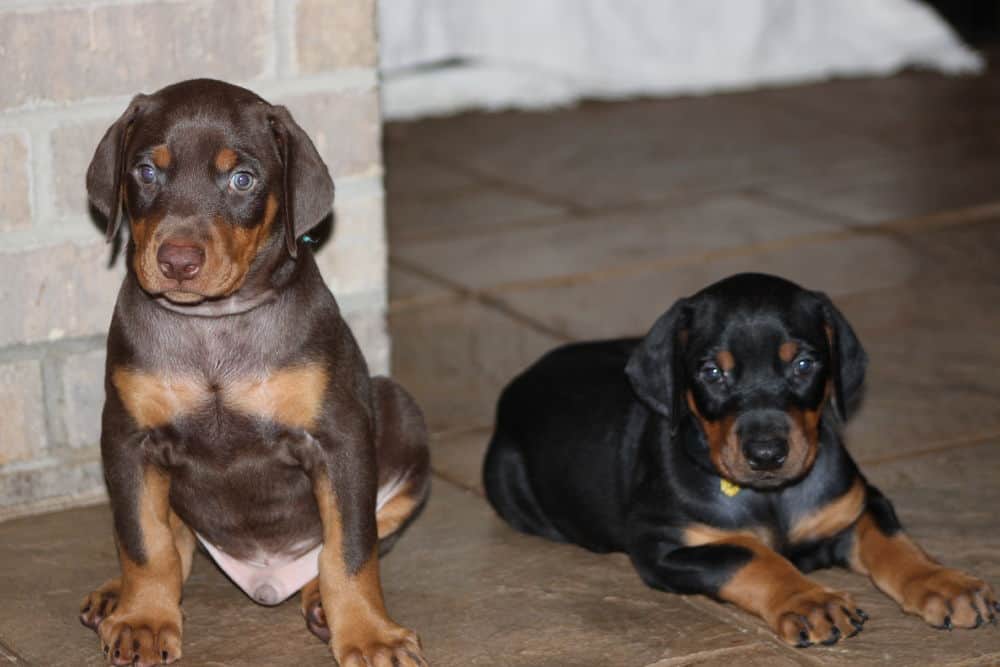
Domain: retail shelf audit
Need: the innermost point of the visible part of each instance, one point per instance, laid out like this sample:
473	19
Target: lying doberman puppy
239	409
710	452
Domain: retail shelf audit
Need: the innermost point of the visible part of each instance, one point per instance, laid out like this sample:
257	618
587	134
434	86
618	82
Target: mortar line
48	114
283	36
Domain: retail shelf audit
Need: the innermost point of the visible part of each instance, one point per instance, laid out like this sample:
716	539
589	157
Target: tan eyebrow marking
226	159
161	156
788	350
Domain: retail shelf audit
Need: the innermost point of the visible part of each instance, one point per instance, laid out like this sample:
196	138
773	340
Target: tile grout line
890	229
482	298
448	479
714	654
10	656
762	194
485	178
940	447
748	623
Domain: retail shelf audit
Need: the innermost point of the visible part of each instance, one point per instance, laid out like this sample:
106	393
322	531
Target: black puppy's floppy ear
308	188
848	358
652	368
106	172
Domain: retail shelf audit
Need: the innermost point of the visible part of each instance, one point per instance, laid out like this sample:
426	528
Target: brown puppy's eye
711	373
242	181
147	173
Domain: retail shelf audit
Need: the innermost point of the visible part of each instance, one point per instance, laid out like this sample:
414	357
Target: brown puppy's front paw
816	616
142	638
947	599
100	603
387	645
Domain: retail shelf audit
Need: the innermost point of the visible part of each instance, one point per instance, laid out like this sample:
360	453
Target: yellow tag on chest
728	487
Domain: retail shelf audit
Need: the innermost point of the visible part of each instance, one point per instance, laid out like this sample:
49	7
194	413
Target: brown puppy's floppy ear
106	172
654	365
848	358
308	188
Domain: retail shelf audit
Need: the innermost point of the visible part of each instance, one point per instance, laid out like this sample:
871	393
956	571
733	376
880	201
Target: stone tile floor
512	233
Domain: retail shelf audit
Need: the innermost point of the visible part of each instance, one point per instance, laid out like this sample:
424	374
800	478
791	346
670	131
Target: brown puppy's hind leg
103	600
403	461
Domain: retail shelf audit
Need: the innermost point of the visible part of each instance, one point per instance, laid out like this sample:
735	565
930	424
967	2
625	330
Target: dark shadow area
977	21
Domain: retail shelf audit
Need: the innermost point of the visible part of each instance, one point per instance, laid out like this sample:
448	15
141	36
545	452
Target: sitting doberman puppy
239	411
710	452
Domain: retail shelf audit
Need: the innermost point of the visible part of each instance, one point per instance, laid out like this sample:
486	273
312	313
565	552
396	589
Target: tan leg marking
942	596
102	601
832	518
800	611
395	513
361	631
145	626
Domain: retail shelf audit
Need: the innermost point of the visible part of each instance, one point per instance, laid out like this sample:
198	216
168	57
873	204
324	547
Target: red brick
331	35
60	54
15	197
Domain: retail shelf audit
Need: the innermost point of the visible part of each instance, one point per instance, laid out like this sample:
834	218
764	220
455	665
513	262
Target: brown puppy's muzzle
180	260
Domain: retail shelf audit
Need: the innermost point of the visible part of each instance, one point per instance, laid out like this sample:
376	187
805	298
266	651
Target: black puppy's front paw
947	598
816	616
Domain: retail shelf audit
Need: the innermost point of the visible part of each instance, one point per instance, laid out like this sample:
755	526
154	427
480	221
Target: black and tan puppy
710	452
239	409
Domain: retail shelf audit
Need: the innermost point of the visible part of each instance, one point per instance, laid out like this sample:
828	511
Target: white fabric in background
543	53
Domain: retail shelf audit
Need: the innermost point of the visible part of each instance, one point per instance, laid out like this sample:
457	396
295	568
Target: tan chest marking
157	400
832	518
698	534
291	396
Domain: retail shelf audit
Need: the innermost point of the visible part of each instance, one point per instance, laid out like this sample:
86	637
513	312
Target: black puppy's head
755	360
215	183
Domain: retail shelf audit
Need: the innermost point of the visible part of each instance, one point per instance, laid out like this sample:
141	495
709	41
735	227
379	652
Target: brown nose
180	262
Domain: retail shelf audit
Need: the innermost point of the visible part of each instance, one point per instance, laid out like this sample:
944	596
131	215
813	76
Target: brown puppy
239	408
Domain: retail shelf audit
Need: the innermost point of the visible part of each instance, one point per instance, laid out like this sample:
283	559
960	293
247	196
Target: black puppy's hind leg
509	490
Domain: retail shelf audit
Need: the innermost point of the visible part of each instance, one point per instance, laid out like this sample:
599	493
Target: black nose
180	261
765	454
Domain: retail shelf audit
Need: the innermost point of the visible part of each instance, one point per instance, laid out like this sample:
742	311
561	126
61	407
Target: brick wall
68	68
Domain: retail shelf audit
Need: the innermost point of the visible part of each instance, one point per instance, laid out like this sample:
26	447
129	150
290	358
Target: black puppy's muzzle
763	436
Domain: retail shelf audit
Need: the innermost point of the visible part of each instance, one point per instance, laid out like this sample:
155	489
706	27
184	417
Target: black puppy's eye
242	181
711	373
803	366
147	173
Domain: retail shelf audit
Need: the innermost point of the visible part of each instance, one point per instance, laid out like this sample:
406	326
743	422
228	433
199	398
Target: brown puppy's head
216	185
752	360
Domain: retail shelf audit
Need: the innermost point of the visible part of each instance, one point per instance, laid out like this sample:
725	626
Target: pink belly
272	579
